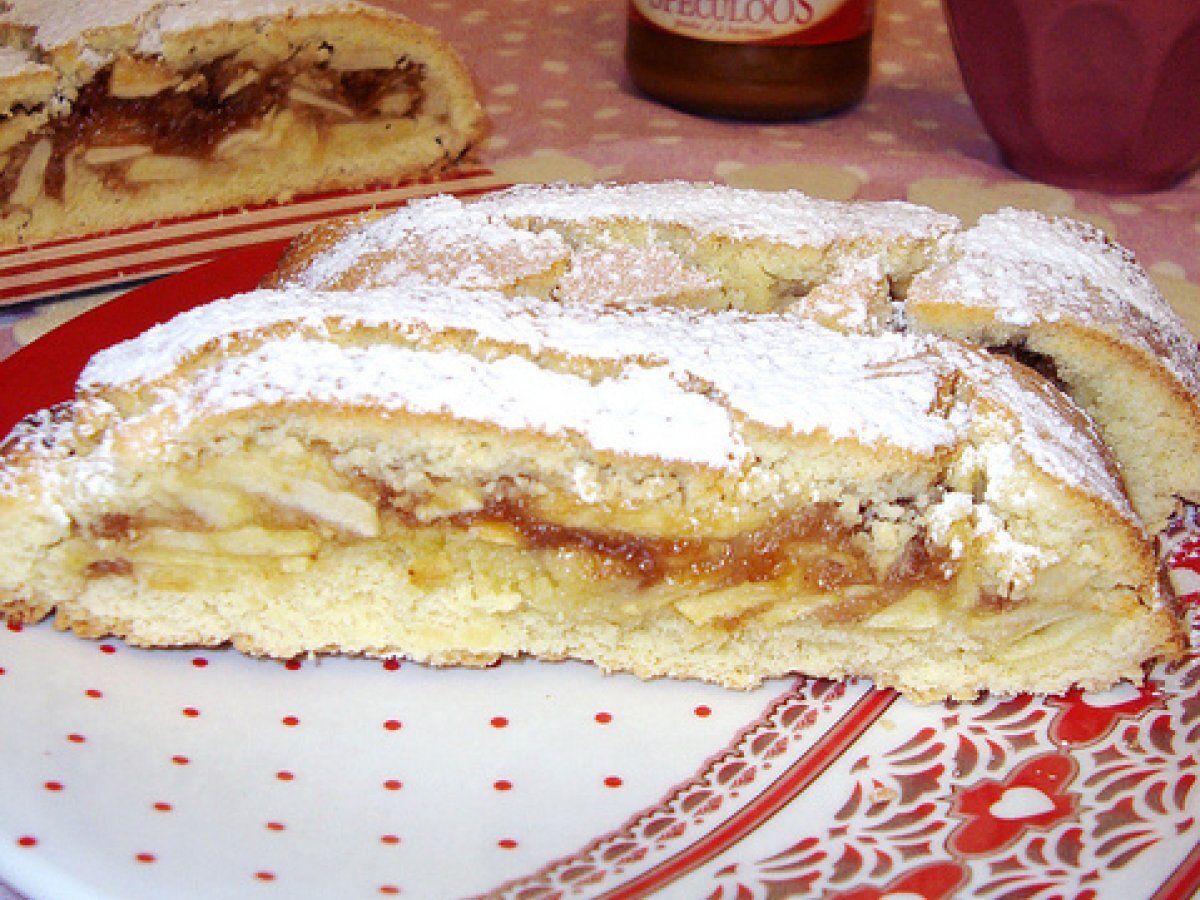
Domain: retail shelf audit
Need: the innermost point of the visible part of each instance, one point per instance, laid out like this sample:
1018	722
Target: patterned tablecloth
1062	797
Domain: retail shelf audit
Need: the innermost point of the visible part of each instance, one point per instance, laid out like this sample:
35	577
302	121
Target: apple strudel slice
461	476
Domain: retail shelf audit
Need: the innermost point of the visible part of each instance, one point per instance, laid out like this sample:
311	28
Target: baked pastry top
489	440
731	248
1054	293
114	114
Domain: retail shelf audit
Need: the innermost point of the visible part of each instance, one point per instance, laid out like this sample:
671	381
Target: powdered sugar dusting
58	24
1051	431
684	375
785	217
1031	269
798	377
781	371
622	274
181	15
15	61
441	240
514	230
642	412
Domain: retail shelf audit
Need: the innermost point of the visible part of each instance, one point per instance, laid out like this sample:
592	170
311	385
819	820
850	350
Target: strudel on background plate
533	425
121	113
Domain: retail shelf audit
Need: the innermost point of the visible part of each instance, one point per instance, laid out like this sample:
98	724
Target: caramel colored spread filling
825	547
810	552
119	118
1044	365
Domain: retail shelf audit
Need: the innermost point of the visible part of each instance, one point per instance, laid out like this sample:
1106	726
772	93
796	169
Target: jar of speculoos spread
751	59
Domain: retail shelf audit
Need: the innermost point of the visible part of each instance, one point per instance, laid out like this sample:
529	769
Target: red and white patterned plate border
1080	795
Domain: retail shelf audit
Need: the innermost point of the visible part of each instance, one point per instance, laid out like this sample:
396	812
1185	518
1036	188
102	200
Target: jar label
758	21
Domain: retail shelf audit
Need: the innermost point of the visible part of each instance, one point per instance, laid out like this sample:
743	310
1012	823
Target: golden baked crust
1060	296
134	111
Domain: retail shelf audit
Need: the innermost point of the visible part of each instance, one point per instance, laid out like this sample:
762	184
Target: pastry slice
462	476
120	114
1059	296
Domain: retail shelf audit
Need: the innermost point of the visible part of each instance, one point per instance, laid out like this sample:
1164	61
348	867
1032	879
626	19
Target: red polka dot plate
147	774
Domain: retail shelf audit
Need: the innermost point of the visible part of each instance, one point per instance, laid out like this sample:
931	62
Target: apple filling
232	515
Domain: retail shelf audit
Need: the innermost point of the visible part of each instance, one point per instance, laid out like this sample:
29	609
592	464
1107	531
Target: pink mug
1098	94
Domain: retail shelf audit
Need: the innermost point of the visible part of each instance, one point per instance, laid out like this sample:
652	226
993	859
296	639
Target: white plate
131	773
